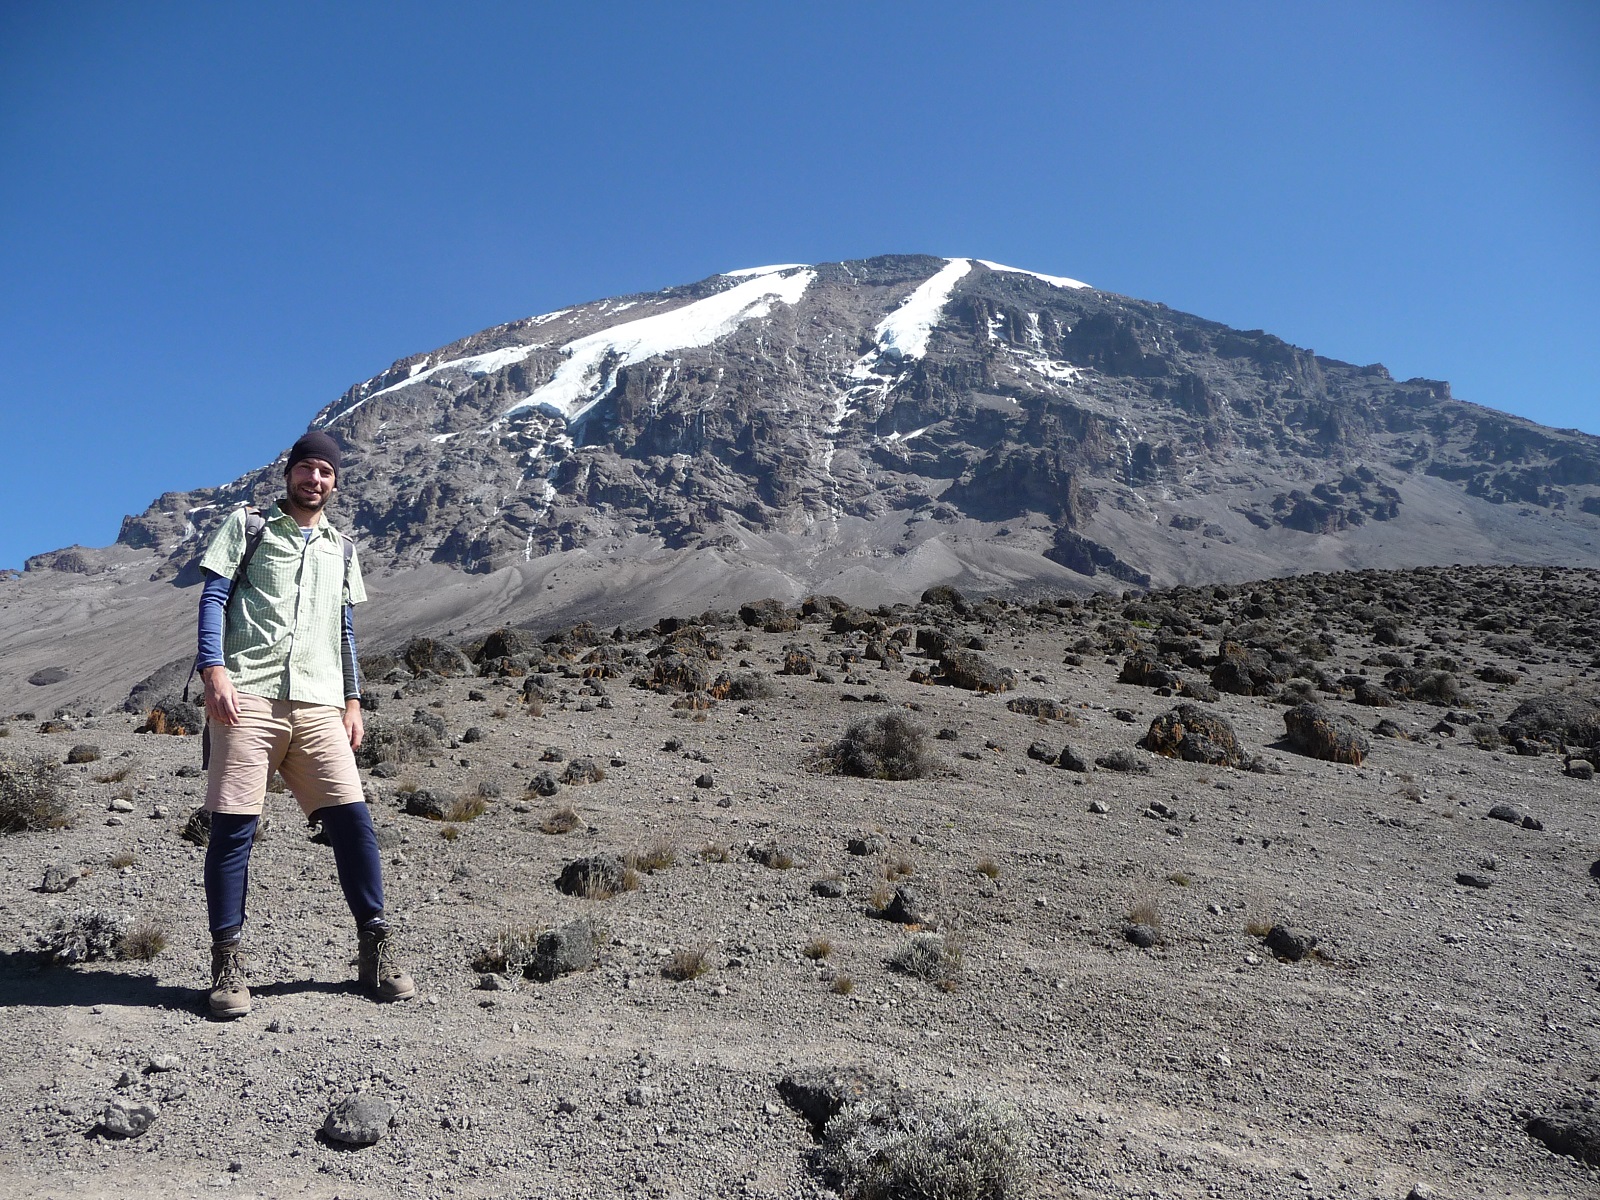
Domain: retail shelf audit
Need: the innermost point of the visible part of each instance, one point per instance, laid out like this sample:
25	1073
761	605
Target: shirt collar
322	529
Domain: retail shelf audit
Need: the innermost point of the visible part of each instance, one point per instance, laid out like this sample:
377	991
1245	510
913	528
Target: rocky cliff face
925	400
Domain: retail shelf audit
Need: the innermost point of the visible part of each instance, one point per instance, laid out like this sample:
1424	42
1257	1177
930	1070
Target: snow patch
904	333
578	383
1060	281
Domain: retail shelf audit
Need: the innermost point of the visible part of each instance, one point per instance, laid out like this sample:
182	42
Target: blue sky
215	217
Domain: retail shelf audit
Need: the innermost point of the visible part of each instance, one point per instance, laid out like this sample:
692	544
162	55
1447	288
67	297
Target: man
278	657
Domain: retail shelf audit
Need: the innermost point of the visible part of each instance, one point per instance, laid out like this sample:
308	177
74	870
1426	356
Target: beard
311	500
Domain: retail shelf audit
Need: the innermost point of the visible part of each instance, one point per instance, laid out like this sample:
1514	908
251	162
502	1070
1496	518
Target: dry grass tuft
143	942
114	776
1145	911
657	856
450	832
843	985
817	949
988	868
468	808
1258	927
899	868
715	852
121	859
684	965
1181	878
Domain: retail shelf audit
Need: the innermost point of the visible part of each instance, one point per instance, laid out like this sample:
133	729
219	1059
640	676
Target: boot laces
230	971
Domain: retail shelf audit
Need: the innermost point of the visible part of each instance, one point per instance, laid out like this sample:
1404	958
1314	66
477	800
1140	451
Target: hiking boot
377	970
230	995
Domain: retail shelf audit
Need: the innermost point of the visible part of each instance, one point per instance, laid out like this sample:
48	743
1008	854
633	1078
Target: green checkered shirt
281	638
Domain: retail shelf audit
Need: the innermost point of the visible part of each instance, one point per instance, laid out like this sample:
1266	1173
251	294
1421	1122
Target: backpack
255	528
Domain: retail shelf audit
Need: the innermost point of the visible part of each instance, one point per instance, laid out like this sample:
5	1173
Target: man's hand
353	727
222	702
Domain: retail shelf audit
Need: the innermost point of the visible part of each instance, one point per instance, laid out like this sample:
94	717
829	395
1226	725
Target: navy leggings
355	854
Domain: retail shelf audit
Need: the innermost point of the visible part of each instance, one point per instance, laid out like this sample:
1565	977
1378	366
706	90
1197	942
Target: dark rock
829	889
174	716
866	843
83	752
582	771
705	781
1389	729
1039	752
1371	694
1192	734
1472	880
425	802
544	784
1573	719
1573	1130
1507	813
1245	672
771	615
474	733
1040	708
359	1120
1292	944
1070	760
1141	935
974	672
797	660
908	906
197	828
48	676
594	875
1579	769
819	1094
572	947
1122	760
429	654
1318	732
502	643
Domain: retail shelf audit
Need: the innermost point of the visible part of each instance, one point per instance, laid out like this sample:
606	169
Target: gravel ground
1410	1050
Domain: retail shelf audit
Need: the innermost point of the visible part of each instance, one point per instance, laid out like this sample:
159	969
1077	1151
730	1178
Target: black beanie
315	444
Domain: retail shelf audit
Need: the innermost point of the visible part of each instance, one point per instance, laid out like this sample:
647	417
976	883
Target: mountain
866	428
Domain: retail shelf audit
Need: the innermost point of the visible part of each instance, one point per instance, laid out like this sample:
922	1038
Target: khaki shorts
305	743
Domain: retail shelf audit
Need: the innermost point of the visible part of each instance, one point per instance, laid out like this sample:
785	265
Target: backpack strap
255	528
348	545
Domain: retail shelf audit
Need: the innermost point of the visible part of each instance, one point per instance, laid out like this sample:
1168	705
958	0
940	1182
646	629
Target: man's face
311	482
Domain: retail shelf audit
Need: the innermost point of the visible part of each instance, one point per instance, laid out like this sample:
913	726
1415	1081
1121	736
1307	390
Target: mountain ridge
871	428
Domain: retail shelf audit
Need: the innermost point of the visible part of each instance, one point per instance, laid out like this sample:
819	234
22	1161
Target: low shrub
888	746
32	794
925	1150
930	957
